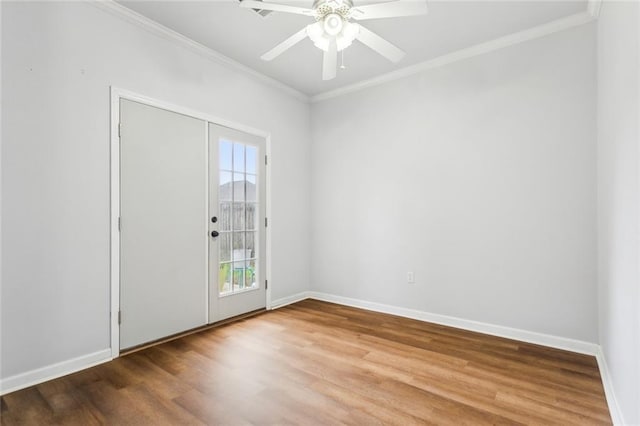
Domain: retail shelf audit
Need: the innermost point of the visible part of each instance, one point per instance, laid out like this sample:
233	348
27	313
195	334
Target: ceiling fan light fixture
321	38
333	24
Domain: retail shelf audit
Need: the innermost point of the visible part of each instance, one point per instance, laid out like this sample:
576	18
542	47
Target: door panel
164	213
237	255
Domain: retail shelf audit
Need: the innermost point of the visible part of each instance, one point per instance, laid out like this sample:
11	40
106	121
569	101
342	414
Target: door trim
116	95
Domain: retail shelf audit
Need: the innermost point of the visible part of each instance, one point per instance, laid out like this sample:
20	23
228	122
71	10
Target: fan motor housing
326	7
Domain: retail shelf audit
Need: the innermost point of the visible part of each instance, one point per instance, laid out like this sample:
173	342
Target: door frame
116	95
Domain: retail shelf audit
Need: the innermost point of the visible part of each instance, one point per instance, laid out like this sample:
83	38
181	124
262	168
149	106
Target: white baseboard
465	324
33	377
557	342
607	383
279	303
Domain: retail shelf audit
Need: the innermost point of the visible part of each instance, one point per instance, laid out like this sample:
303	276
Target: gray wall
619	200
479	176
58	61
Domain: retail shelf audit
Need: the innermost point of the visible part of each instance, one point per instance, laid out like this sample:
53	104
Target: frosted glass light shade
344	38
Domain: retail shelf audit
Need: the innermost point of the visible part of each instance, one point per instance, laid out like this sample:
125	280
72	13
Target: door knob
214	234
214	219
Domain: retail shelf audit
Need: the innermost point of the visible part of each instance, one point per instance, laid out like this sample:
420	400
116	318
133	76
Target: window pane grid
239	212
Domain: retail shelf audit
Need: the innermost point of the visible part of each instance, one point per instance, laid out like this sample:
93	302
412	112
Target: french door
192	208
163	241
237	208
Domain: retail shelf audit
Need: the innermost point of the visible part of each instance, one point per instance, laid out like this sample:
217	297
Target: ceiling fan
334	30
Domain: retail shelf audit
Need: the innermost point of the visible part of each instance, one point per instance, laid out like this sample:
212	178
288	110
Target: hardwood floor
316	363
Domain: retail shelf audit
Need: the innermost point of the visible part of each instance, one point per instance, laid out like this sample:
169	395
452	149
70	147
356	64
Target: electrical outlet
410	277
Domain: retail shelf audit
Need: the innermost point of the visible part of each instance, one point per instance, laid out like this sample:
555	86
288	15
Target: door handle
214	234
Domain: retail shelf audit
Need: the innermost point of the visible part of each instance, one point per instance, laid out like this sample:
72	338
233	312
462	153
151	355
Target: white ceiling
243	35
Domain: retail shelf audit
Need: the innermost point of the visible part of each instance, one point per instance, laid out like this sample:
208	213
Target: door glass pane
238	157
252	216
251	188
250	274
238	276
225	246
238	245
238	186
250	244
225	186
224	278
224	220
238	213
238	216
252	156
225	155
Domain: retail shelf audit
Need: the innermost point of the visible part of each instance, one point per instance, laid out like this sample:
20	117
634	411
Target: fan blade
329	60
254	4
380	45
389	10
287	44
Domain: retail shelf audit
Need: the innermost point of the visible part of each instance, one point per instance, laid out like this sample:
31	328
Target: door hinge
265	160
119	129
119	224
265	222
266	284
119	317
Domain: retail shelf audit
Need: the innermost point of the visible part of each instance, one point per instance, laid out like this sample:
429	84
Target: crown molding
593	8
160	30
469	52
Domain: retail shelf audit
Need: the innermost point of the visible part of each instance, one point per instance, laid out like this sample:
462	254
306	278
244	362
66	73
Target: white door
237	249
164	216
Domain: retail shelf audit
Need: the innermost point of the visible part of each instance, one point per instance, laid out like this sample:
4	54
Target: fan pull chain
342	67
